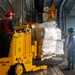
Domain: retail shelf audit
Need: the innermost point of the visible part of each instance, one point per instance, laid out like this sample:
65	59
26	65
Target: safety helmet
9	13
71	30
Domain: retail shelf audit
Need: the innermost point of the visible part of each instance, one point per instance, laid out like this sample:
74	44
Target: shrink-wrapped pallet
59	47
48	33
58	32
52	42
52	33
51	24
49	46
43	25
52	46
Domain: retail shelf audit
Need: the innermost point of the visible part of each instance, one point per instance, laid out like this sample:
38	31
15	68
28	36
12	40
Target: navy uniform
71	49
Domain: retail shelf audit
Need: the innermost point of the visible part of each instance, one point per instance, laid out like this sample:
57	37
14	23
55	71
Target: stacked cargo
49	42
52	42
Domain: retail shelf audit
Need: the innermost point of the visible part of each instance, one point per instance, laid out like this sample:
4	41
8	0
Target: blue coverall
71	51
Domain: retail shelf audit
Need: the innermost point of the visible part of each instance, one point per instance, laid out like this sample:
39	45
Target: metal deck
49	71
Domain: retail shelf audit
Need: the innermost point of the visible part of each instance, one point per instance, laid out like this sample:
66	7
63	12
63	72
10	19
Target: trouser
70	58
5	40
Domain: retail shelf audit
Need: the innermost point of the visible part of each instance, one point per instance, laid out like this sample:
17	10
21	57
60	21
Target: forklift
21	55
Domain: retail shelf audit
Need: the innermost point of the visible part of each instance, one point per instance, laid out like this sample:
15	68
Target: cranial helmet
9	13
71	30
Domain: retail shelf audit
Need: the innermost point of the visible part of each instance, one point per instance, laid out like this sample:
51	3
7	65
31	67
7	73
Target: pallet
43	57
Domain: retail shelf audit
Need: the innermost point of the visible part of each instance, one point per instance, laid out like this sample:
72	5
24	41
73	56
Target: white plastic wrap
51	24
48	33
43	25
52	42
52	46
49	46
58	31
52	33
59	47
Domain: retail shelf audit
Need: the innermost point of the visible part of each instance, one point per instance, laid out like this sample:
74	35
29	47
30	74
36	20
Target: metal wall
70	22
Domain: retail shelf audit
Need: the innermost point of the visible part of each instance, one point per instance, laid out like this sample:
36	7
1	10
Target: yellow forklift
21	55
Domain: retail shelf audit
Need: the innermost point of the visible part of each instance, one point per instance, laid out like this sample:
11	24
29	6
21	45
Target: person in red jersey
6	31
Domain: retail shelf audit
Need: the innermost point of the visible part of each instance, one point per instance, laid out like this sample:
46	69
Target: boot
67	68
72	67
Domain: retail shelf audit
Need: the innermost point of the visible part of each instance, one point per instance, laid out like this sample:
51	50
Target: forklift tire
16	69
19	69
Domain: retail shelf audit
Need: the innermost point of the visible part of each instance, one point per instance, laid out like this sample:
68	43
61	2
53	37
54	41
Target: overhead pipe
33	4
11	7
3	5
3	8
25	6
60	13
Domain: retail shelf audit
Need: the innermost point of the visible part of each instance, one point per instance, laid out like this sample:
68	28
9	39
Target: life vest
4	26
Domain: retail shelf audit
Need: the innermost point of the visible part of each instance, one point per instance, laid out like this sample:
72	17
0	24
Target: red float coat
6	26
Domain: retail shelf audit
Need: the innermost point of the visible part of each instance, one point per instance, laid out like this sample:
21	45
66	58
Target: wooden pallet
43	57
